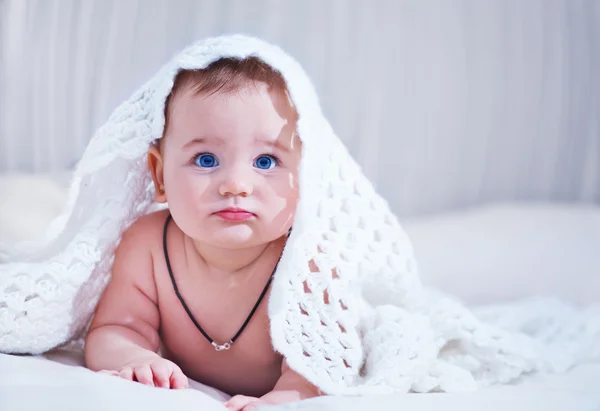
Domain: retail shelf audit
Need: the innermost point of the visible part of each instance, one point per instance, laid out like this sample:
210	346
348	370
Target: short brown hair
225	75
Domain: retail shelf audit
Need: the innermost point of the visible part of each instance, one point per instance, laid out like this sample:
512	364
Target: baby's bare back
141	296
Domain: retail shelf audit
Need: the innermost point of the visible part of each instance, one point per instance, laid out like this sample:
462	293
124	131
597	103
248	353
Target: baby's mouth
234	214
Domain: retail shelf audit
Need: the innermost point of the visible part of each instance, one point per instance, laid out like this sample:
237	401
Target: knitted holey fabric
347	309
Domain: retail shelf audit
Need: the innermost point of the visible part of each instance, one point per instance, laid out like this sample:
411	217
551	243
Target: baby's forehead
231	133
255	106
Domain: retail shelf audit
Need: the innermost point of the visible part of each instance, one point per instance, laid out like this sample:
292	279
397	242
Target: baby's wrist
290	394
140	355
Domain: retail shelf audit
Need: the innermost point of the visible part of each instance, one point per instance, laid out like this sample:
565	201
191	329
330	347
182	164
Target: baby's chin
235	236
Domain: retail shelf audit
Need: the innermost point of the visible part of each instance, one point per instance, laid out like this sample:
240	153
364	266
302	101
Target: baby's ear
155	164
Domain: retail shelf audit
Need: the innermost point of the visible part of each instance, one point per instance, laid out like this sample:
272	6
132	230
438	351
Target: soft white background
445	103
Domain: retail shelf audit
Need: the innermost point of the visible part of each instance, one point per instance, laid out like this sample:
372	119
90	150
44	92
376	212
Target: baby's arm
290	387
123	338
294	384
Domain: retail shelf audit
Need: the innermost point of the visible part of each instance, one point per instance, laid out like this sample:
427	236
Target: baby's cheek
199	189
188	186
282	205
278	205
285	186
186	195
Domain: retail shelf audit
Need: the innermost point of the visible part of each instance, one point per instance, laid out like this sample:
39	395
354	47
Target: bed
56	381
519	250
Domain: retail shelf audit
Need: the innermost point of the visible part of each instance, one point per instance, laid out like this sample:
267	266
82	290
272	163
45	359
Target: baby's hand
156	372
245	403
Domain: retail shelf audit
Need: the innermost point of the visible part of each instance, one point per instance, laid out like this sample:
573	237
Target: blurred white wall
446	104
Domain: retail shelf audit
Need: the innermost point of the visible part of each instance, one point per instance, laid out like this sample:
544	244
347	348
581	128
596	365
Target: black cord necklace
227	345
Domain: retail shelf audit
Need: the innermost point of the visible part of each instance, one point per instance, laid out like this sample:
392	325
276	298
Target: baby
189	287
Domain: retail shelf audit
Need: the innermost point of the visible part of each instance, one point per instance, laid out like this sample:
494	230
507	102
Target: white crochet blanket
366	325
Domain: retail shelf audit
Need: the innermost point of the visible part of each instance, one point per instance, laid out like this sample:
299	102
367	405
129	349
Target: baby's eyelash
195	156
273	156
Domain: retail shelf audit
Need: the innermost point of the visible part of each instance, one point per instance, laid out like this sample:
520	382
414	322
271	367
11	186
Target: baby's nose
236	183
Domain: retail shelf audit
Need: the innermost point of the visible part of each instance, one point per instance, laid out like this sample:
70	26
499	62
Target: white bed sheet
57	382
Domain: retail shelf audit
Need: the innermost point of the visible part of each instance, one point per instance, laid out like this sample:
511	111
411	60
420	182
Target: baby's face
232	151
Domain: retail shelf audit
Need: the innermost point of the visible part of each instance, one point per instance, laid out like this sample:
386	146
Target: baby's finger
253	406
126	373
109	372
161	371
238	402
178	379
143	374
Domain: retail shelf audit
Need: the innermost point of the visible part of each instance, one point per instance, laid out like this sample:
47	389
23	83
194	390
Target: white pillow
509	251
29	203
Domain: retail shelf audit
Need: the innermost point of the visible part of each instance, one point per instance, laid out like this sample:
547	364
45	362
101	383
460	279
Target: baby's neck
228	261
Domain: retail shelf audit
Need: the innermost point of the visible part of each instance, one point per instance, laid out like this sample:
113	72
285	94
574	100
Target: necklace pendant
222	347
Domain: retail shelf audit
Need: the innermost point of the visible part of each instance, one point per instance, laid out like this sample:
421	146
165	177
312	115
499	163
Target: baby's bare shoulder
134	257
146	231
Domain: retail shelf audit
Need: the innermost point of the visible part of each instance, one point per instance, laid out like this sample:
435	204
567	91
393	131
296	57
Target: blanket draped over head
347	309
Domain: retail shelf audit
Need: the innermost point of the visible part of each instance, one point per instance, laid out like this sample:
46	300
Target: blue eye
206	160
265	162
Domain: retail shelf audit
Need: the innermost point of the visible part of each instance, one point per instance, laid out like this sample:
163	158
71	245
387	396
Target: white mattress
46	383
513	251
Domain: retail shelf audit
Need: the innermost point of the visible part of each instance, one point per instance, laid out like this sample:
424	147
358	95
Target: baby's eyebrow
203	140
275	144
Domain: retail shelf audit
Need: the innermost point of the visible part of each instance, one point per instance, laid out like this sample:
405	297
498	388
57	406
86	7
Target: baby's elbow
90	350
